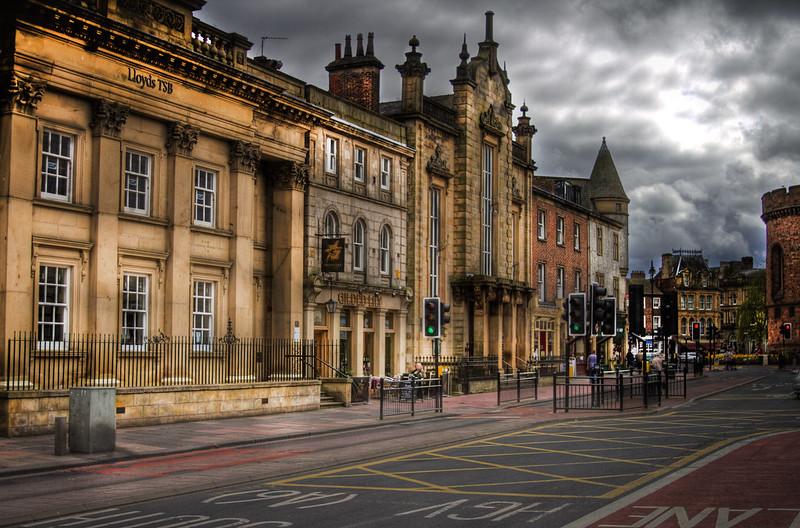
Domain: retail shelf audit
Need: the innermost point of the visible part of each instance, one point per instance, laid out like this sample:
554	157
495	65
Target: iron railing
611	390
110	360
517	387
410	396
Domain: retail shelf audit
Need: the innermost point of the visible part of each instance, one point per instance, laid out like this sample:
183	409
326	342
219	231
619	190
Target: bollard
61	436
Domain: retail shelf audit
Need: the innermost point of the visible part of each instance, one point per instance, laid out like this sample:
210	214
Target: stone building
736	280
357	193
687	273
781	214
468	205
561	263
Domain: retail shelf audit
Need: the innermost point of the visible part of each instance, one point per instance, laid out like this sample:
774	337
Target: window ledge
145	219
64	206
211	231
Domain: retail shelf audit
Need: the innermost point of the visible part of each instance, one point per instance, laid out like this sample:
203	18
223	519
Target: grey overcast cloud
699	100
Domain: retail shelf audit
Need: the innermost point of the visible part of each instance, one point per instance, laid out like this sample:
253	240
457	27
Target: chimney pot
360	45
370	48
338	47
489	30
348	50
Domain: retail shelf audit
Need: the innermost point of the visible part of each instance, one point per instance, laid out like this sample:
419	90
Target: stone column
514	330
358	341
181	139
400	354
19	151
290	179
334	328
379	366
244	160
498	345
108	118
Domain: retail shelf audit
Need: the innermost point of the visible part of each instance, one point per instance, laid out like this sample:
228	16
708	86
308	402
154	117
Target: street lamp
330	305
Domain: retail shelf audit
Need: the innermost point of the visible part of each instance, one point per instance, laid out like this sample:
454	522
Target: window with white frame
138	169
202	314
683	301
386	173
576	236
331	155
53	305
578	280
560	282
560	230
487	185
385	244
434	226
359	164
657	321
691	302
656	302
58	154
359	238
541	225
331	224
702	303
134	309
205	191
540	282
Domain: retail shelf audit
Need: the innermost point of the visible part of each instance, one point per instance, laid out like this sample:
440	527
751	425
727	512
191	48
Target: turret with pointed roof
605	190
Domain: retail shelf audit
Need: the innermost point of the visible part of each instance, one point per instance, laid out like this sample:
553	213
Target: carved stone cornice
491	123
523	130
289	175
244	156
438	165
181	138
153	11
108	117
24	93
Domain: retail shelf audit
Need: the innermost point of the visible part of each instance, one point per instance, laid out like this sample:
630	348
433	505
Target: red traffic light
786	330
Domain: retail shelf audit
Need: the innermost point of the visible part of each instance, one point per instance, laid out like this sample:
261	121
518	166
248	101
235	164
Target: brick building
561	262
781	214
737	278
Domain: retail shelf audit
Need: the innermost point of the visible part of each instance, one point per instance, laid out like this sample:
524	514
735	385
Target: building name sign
147	81
359	299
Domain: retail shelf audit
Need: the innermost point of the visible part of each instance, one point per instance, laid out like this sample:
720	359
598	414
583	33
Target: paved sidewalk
23	455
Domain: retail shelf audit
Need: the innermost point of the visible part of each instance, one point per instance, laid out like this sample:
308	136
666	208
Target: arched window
331	224
683	326
776	271
385	249
359	239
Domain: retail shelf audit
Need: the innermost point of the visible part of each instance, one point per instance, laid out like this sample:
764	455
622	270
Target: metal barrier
517	387
410	396
603	392
114	360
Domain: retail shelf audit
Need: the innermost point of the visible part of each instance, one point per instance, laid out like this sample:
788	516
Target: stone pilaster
379	366
181	139
244	160
290	180
358	341
400	357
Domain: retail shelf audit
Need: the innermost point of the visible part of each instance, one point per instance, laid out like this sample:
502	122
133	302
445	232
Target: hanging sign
332	255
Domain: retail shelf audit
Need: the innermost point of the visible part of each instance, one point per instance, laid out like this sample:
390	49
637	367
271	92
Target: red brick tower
356	78
781	213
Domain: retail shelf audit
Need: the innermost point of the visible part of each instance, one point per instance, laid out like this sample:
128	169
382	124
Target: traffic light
431	322
444	314
608	320
669	313
576	314
696	331
786	330
597	308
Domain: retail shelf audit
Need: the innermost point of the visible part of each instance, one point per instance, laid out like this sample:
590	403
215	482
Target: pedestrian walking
630	360
591	369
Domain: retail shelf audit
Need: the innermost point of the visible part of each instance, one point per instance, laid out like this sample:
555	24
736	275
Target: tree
751	315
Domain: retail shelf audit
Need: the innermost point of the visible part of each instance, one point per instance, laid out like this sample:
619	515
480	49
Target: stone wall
26	413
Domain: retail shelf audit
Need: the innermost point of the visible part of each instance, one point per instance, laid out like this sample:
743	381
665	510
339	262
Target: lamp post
330	307
652	272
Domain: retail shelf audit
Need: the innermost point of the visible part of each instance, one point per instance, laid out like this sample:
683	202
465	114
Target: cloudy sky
699	100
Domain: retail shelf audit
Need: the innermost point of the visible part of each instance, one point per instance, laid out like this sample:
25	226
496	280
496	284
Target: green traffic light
429	330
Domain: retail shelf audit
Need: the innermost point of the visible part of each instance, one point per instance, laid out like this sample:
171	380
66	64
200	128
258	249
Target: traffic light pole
436	344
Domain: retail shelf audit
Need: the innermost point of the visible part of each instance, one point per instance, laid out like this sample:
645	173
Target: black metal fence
517	387
618	390
108	360
410	396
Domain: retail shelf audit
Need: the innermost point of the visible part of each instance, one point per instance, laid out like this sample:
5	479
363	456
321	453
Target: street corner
713	493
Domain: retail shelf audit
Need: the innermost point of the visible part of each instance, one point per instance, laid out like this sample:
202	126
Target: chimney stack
356	78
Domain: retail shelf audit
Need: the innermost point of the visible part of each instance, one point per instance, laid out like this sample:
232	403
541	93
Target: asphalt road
549	475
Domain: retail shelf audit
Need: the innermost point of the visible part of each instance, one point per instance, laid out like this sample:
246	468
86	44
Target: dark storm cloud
699	99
